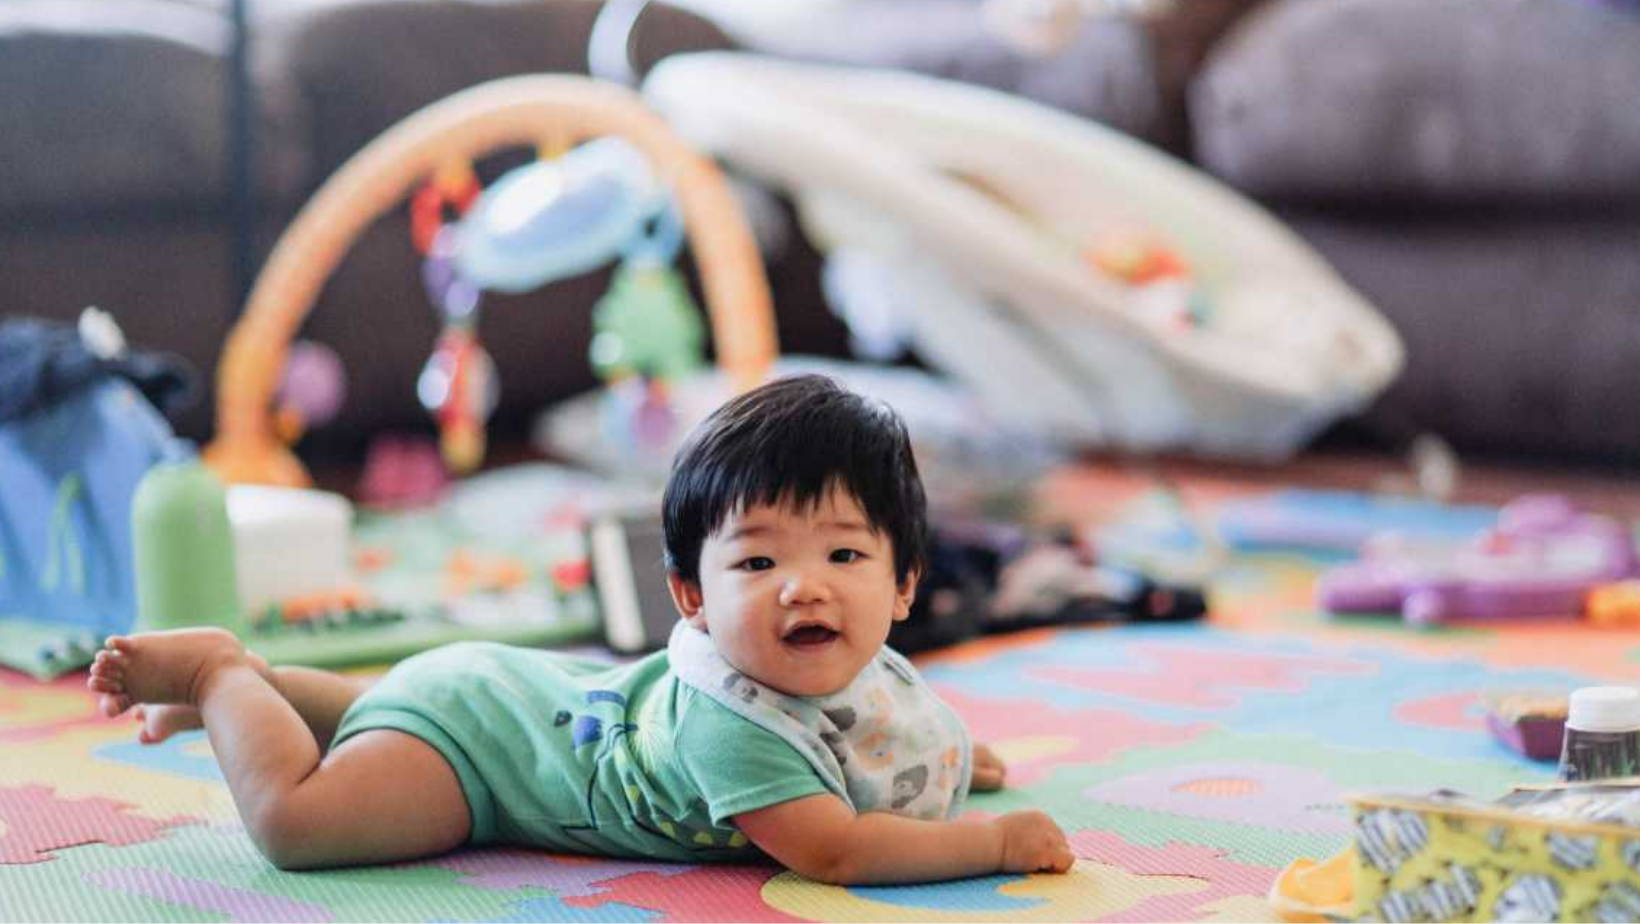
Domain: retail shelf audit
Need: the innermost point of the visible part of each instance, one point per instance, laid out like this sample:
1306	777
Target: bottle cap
1604	709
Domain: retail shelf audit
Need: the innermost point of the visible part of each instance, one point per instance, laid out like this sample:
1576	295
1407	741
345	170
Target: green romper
583	756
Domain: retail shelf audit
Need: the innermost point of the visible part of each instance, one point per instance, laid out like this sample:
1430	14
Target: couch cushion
1519	330
1429	99
112	103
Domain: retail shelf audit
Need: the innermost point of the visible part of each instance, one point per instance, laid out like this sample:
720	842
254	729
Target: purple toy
1530	722
1541	559
314	382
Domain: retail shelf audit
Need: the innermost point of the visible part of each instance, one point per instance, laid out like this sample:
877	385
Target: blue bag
76	436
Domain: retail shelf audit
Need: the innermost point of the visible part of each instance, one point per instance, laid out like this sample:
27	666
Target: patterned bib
884	743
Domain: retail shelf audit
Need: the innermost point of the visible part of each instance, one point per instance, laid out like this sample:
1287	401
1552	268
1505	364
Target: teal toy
184	550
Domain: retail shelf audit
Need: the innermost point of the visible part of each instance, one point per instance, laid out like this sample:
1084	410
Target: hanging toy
637	413
455	298
311	389
618	413
453	188
647	332
458	386
557	218
560	216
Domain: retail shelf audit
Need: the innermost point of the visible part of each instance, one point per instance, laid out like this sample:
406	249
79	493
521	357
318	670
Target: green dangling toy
647	328
646	324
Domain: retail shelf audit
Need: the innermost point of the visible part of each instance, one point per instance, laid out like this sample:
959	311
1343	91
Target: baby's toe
105	684
113	704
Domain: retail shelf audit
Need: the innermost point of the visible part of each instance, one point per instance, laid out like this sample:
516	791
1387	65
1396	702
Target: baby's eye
755	563
845	556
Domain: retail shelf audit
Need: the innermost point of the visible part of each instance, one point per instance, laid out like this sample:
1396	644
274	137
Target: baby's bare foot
160	667
162	720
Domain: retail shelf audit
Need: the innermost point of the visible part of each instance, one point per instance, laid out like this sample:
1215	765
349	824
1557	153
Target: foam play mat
1187	764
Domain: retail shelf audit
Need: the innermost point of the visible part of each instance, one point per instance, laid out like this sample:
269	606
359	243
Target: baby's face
799	601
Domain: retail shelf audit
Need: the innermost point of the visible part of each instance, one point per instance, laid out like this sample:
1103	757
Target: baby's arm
822	838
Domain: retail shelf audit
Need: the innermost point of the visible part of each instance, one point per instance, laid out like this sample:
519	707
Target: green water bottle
184	549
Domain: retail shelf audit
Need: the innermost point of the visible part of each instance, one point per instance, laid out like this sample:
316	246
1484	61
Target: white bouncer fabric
969	209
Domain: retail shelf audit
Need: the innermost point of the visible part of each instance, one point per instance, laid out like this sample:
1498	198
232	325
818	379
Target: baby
776	722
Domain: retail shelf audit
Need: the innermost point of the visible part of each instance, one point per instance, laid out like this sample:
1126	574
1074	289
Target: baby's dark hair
788	442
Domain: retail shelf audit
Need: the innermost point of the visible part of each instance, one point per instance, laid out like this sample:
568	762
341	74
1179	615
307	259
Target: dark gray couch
1473	166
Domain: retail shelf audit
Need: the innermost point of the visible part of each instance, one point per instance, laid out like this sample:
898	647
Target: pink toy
1542	559
402	471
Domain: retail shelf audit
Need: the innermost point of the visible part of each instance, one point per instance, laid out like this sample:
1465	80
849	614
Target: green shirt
580	755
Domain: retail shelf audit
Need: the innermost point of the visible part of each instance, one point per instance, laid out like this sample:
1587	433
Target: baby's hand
1032	843
988	770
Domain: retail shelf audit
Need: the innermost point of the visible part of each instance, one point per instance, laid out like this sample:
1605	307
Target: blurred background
1471	167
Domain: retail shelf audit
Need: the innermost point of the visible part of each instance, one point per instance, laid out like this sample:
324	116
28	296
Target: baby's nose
800	589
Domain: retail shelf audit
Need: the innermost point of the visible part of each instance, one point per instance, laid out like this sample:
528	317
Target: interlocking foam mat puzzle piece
37	822
1187	765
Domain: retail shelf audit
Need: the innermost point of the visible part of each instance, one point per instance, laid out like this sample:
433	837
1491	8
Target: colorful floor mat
1187	764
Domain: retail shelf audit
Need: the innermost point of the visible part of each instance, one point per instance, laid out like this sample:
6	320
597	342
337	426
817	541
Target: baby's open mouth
811	634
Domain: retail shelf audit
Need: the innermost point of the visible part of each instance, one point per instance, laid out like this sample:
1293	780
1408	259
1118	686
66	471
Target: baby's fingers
1054	856
987	778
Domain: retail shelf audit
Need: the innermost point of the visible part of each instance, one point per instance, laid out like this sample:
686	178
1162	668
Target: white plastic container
288	543
1602	734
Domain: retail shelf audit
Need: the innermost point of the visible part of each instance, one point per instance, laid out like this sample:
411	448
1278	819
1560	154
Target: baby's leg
319	697
378	797
353	807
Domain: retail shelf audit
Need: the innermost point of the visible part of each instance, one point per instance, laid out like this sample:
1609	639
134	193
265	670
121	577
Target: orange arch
502	113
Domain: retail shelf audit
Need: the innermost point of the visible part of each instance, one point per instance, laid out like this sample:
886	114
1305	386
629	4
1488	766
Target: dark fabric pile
42	361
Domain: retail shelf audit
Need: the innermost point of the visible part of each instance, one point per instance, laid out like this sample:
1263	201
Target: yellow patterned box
1567	852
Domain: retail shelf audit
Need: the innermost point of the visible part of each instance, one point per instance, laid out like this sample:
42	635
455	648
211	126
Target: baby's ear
904	594
688	599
